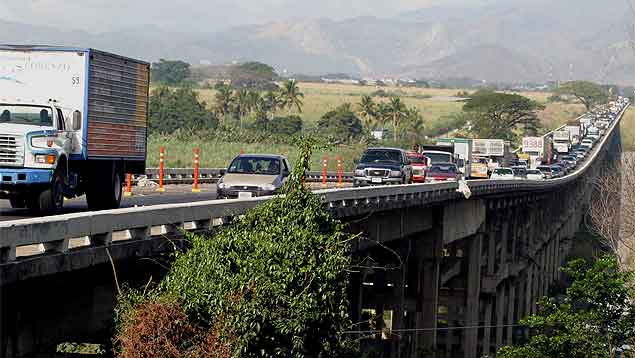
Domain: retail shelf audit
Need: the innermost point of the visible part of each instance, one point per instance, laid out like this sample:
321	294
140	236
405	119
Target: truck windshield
25	114
439	157
442	170
378	156
417	159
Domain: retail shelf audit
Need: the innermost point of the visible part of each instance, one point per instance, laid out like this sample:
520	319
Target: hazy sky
194	15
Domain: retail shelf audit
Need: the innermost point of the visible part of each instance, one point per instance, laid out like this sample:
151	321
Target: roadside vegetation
592	319
271	284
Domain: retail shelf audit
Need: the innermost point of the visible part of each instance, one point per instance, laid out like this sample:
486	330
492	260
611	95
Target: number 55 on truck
72	122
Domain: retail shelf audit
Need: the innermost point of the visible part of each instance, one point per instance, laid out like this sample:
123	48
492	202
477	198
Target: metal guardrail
98	228
211	176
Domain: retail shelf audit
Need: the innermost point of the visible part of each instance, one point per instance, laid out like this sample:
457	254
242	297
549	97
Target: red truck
419	163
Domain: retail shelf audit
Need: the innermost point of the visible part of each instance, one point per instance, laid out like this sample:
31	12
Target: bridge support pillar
487	333
475	244
529	291
430	252
500	314
511	305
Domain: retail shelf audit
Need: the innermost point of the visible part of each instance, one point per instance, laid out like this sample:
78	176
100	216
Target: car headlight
42	142
395	173
359	172
221	185
269	187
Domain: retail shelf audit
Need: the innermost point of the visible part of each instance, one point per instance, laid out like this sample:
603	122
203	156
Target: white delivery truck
462	149
72	122
495	150
561	141
534	147
574	133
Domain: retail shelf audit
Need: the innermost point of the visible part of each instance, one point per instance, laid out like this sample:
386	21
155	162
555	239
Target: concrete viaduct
449	268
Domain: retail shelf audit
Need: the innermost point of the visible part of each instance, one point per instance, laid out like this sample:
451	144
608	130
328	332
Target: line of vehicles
548	157
451	159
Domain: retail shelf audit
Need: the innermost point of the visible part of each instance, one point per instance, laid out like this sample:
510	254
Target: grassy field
434	104
215	154
320	98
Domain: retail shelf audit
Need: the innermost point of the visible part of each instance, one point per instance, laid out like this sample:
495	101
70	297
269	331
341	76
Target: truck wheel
50	200
17	202
104	193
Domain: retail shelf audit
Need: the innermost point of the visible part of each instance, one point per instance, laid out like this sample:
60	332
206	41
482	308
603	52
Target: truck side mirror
77	120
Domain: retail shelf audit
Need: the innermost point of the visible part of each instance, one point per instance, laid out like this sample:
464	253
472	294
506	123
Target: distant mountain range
503	41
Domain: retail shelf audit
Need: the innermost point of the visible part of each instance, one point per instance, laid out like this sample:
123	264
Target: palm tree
252	101
382	114
291	95
272	102
367	109
397	111
224	99
241	105
415	123
261	111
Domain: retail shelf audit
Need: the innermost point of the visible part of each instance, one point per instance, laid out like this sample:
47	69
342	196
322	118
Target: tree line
252	97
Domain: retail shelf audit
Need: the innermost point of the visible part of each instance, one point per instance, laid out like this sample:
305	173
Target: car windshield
415	159
379	156
534	171
442	169
556	169
518	171
439	157
545	169
503	171
255	165
25	114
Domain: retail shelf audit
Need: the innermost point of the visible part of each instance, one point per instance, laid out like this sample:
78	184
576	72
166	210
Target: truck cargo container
72	122
562	141
574	133
495	150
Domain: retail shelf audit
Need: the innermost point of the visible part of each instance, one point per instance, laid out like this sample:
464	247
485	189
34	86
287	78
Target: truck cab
36	140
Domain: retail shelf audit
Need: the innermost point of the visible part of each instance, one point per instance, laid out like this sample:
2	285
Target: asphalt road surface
173	194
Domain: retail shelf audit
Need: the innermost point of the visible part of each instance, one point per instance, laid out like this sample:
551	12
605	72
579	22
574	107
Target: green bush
555	98
341	123
272	284
180	109
286	125
170	72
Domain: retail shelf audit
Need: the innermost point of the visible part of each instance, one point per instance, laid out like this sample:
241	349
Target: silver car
253	175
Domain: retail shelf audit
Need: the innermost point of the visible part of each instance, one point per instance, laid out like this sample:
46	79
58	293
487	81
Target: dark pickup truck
380	166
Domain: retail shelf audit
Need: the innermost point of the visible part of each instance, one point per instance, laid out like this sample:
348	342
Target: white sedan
535	174
502	174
